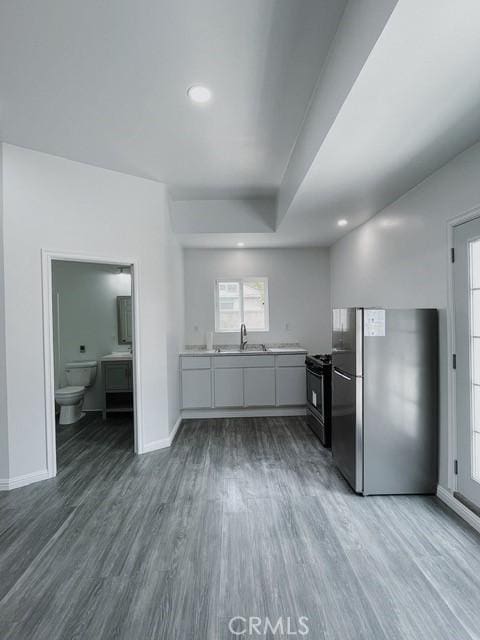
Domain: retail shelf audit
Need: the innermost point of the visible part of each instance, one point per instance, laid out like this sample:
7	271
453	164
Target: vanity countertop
117	356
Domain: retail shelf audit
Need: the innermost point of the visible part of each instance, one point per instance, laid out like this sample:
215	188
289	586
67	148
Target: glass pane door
466	282
474	329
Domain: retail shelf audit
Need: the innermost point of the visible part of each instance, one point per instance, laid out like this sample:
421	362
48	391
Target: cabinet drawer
196	389
232	362
291	360
195	362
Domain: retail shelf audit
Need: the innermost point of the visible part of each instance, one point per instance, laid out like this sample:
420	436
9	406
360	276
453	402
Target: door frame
48	353
452	448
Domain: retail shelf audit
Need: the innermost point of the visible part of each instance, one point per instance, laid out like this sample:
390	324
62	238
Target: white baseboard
155	445
198	414
165	442
459	508
7	484
176	427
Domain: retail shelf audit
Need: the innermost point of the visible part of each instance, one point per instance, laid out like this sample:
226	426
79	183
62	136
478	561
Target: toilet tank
81	374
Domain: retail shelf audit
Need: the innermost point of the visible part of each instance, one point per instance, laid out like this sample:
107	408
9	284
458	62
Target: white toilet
79	376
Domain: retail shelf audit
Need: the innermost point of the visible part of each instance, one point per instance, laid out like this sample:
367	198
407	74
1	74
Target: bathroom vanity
117	377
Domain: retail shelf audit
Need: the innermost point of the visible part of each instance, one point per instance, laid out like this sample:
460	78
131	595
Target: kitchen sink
237	350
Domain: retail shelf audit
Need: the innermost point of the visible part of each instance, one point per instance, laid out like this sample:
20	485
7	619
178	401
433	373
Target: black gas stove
319	396
319	360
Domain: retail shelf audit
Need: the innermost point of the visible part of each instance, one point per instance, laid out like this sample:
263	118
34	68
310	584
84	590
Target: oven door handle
316	375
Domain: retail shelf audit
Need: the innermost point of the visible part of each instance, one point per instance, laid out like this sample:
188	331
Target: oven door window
315	391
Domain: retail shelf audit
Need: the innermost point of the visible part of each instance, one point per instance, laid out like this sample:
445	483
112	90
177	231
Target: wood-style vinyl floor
240	517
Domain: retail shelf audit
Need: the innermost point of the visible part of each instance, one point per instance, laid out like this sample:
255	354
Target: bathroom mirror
124	319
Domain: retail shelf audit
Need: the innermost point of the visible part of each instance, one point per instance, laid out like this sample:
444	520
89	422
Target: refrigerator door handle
342	375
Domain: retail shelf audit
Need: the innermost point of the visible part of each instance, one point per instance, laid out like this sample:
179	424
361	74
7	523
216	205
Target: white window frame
241	282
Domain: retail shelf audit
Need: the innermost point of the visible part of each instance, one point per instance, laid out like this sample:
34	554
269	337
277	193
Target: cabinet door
291	386
259	387
229	387
118	376
196	389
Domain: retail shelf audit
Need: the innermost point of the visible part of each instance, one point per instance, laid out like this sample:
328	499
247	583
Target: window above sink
240	301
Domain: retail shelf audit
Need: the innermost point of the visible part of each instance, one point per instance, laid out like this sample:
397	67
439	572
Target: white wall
400	257
299	293
175	323
4	449
53	203
86	295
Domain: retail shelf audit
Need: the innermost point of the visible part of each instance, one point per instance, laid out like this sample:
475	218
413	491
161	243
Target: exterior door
466	280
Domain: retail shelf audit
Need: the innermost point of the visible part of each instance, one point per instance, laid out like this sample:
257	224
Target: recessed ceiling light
342	222
240	244
199	94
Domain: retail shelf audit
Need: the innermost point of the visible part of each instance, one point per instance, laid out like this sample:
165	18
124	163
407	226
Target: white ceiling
414	106
105	83
343	109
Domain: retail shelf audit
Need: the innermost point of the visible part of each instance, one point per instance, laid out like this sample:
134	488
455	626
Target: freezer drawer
347	428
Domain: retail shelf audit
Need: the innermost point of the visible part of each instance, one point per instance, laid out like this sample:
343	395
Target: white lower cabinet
196	389
228	387
291	386
238	381
259	387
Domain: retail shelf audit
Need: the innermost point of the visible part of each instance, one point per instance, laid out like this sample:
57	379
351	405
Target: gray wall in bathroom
299	293
85	312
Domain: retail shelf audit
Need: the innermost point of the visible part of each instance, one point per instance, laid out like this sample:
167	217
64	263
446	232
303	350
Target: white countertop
117	356
250	352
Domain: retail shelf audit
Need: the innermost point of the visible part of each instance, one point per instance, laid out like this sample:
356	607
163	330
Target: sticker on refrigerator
374	322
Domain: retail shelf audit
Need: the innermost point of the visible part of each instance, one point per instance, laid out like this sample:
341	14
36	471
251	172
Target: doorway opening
91	343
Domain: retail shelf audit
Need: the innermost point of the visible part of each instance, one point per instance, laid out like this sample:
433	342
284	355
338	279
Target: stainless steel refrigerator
385	399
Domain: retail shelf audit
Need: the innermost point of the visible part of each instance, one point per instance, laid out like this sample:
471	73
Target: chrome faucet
243	337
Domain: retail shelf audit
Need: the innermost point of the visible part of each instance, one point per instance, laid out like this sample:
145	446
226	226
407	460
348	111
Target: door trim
47	290
467	216
460	509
